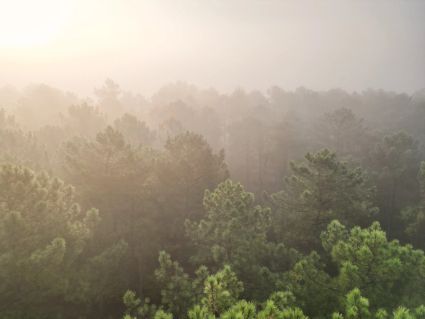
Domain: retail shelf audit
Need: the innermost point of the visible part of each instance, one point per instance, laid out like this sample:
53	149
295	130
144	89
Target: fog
212	159
75	45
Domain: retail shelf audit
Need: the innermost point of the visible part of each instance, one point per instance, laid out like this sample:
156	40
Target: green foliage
415	216
240	310
178	292
234	229
282	299
395	164
95	280
311	285
234	232
137	189
221	290
420	312
357	307
270	311
185	170
43	239
136	309
320	189
199	312
115	177
387	272
160	314
216	293
243	309
60	260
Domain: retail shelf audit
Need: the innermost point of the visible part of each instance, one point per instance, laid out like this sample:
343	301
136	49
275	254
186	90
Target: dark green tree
320	189
414	216
395	165
213	294
234	232
387	273
185	169
116	177
43	247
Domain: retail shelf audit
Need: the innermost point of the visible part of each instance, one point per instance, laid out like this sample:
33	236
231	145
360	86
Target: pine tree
43	239
386	272
320	189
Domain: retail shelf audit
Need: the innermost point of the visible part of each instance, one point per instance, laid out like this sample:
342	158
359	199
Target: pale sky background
144	44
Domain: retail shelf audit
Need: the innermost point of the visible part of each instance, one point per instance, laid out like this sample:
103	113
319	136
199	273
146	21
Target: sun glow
29	23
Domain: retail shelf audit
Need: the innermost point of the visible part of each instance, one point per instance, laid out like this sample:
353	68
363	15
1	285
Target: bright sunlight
28	23
212	159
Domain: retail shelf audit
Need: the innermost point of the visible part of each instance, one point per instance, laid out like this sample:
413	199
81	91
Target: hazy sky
143	44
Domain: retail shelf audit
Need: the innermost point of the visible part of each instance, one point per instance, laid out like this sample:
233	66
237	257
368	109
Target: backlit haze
142	45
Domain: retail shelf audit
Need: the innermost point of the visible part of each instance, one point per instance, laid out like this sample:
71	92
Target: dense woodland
199	204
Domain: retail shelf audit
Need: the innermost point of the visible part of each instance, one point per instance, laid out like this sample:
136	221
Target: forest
202	204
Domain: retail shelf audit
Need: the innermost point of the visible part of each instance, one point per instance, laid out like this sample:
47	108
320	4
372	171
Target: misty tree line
198	204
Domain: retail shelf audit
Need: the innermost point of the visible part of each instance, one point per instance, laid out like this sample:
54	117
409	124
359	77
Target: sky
226	44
